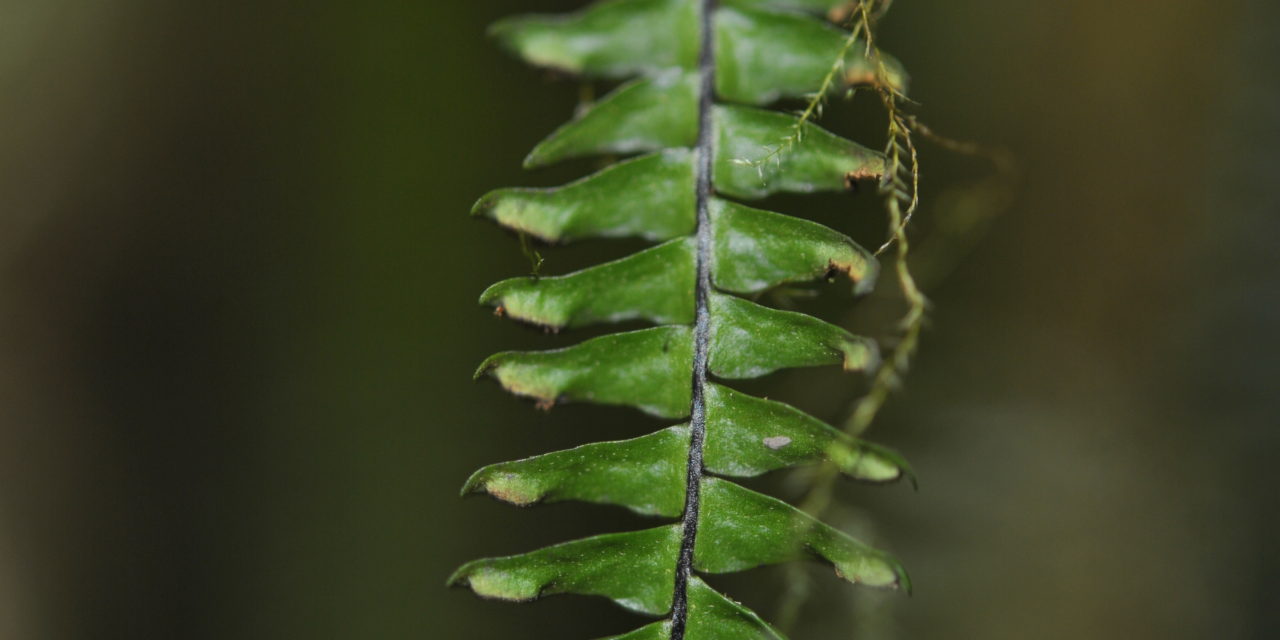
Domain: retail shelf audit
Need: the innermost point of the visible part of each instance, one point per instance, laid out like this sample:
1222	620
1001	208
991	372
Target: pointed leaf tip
489	364
506	368
484	203
472	485
455	579
508	487
487	582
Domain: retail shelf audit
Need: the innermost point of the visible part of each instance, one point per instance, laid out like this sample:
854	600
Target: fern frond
698	75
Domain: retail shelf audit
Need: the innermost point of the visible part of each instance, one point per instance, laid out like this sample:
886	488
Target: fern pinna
698	73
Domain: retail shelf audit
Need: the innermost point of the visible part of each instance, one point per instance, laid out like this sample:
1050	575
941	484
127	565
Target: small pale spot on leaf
777	442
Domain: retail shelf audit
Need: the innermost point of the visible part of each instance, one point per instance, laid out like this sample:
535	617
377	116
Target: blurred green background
238	323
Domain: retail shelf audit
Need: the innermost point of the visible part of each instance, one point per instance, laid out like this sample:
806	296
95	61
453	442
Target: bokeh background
238	323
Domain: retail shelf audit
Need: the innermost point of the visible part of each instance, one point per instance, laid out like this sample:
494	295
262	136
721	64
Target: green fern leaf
651	197
696	78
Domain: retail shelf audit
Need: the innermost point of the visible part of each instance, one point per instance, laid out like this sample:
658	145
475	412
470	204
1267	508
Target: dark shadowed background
238	324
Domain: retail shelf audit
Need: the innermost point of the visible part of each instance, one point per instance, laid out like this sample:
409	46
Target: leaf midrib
702	319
